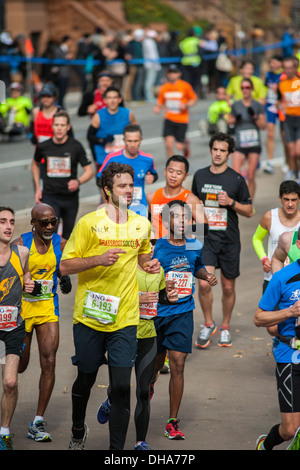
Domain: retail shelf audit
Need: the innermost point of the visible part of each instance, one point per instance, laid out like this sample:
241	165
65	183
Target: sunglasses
246	87
46	222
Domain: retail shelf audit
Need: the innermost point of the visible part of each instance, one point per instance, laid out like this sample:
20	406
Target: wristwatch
233	203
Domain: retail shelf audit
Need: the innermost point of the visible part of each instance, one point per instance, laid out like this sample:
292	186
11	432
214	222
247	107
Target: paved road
230	393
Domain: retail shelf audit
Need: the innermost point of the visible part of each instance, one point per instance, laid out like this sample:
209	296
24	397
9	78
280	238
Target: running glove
65	284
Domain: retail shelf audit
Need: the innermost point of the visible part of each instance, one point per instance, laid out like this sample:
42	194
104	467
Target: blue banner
13	60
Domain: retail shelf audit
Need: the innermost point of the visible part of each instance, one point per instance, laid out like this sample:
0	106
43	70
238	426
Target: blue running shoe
6	442
142	446
104	411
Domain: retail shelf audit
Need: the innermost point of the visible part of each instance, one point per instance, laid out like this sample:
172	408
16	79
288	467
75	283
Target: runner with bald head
42	314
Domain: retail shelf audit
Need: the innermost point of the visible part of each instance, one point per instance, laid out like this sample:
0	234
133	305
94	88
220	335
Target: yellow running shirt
149	283
108	294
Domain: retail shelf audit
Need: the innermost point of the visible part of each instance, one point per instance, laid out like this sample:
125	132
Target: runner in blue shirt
142	163
105	133
283	290
181	260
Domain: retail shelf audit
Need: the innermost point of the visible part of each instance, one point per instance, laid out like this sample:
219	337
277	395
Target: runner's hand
212	280
110	257
295	309
149	178
148	297
152	266
38	196
65	284
32	287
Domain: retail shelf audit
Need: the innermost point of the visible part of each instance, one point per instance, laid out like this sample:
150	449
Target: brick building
43	20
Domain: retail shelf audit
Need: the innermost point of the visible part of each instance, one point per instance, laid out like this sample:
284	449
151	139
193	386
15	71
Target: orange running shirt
171	95
289	90
157	203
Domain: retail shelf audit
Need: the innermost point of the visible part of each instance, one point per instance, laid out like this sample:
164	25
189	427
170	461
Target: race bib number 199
8	317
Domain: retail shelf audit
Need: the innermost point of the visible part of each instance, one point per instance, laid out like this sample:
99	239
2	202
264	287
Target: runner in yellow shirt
105	248
233	90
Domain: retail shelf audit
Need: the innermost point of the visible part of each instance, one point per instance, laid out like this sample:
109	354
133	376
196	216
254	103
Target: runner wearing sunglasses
249	118
42	314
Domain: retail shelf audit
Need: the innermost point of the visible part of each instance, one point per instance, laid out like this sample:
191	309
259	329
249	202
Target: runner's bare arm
79	265
272	318
281	251
197	208
35	170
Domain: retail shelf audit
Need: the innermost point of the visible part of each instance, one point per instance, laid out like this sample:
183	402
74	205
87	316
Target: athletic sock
78	433
273	438
4	431
38	418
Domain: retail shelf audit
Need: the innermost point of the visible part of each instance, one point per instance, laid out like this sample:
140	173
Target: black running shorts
12	342
288	387
222	256
175	129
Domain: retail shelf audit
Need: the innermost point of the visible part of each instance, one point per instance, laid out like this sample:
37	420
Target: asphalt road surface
230	393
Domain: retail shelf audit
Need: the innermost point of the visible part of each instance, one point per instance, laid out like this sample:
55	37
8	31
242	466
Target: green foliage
154	11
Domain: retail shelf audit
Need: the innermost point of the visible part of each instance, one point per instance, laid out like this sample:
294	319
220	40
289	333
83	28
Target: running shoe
6	442
104	411
225	338
269	168
166	367
260	442
290	175
295	444
37	432
206	333
172	430
142	446
78	444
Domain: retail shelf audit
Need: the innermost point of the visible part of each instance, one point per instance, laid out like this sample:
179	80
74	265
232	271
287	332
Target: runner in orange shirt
176	172
289	105
176	96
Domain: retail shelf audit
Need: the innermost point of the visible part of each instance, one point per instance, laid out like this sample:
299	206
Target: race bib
116	144
272	96
173	106
183	282
101	307
137	195
216	217
46	292
292	98
248	138
43	138
148	311
59	167
8	317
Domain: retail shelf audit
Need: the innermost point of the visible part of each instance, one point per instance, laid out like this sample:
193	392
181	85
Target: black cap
174	68
48	89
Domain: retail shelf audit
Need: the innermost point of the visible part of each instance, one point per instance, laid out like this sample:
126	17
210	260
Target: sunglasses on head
46	222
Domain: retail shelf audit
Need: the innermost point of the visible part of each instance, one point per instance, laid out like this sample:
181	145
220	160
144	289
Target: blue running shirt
284	290
141	164
176	260
110	124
